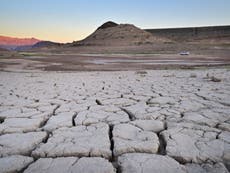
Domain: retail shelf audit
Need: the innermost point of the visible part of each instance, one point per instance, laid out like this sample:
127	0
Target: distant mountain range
12	43
21	44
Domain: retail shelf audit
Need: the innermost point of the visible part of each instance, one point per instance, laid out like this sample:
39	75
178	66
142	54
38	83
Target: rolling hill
112	34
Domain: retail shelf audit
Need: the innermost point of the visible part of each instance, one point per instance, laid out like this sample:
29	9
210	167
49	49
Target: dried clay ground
161	121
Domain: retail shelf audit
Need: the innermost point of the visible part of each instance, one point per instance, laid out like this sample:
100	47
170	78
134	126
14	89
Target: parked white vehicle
184	53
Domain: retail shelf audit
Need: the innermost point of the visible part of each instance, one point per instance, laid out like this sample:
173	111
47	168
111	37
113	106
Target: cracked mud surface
107	122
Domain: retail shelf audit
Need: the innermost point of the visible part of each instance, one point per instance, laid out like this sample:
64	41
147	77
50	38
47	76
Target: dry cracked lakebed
166	121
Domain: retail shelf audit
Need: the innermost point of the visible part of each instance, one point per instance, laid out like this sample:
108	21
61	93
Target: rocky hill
43	44
38	45
112	34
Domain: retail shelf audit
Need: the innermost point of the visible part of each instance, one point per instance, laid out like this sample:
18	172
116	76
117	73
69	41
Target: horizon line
154	28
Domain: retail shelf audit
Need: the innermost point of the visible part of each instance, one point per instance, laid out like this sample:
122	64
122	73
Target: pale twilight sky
68	20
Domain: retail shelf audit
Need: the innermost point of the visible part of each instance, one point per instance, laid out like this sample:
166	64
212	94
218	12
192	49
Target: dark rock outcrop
107	25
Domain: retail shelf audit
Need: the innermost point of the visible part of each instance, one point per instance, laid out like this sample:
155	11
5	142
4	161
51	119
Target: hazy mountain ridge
13	42
4	40
22	44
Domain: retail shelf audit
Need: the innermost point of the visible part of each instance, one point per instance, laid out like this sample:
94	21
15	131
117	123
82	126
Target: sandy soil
107	62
